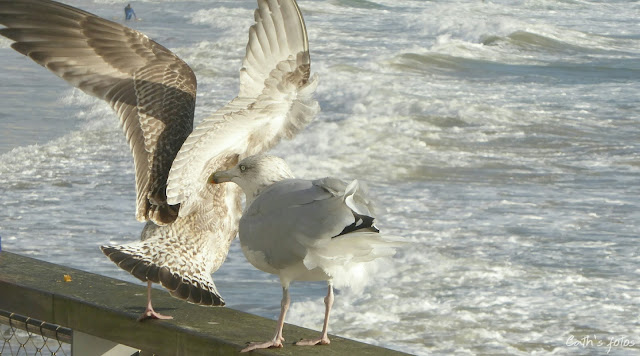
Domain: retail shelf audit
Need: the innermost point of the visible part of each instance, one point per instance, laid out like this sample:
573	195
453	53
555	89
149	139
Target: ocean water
500	138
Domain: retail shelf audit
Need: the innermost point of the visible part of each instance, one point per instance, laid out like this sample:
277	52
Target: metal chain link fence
21	335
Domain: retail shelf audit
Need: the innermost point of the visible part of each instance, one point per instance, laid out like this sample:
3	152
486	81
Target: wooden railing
101	310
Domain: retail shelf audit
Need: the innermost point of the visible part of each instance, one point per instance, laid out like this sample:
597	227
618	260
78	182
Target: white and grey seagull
304	230
190	224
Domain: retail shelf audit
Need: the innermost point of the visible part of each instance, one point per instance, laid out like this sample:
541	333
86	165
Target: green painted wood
108	308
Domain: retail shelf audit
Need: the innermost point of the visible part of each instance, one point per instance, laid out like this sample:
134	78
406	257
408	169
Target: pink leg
277	339
149	313
324	338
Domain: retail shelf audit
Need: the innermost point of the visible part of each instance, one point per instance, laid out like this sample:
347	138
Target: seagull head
254	173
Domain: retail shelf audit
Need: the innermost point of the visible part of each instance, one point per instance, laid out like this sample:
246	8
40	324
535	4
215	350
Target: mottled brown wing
151	89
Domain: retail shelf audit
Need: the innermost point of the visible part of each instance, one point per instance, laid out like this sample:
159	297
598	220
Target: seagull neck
253	188
252	194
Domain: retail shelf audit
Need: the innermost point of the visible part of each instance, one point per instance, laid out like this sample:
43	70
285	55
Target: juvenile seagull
303	230
190	224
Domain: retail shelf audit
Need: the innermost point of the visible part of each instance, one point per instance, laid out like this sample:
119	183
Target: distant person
128	12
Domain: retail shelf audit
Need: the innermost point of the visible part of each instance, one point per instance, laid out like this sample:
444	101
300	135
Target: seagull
189	224
304	230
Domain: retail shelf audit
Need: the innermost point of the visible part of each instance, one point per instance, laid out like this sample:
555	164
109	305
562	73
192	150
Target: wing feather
274	101
150	88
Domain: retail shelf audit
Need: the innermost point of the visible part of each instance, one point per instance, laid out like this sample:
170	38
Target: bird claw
151	314
320	341
263	345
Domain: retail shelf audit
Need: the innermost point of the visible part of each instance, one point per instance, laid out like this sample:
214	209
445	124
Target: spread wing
150	88
275	101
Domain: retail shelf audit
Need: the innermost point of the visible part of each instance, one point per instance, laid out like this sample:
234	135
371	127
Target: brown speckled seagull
190	224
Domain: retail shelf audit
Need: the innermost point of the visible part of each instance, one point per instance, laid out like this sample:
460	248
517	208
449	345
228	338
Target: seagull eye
243	168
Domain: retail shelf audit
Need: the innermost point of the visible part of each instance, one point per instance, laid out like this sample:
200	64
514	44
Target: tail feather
196	288
347	259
